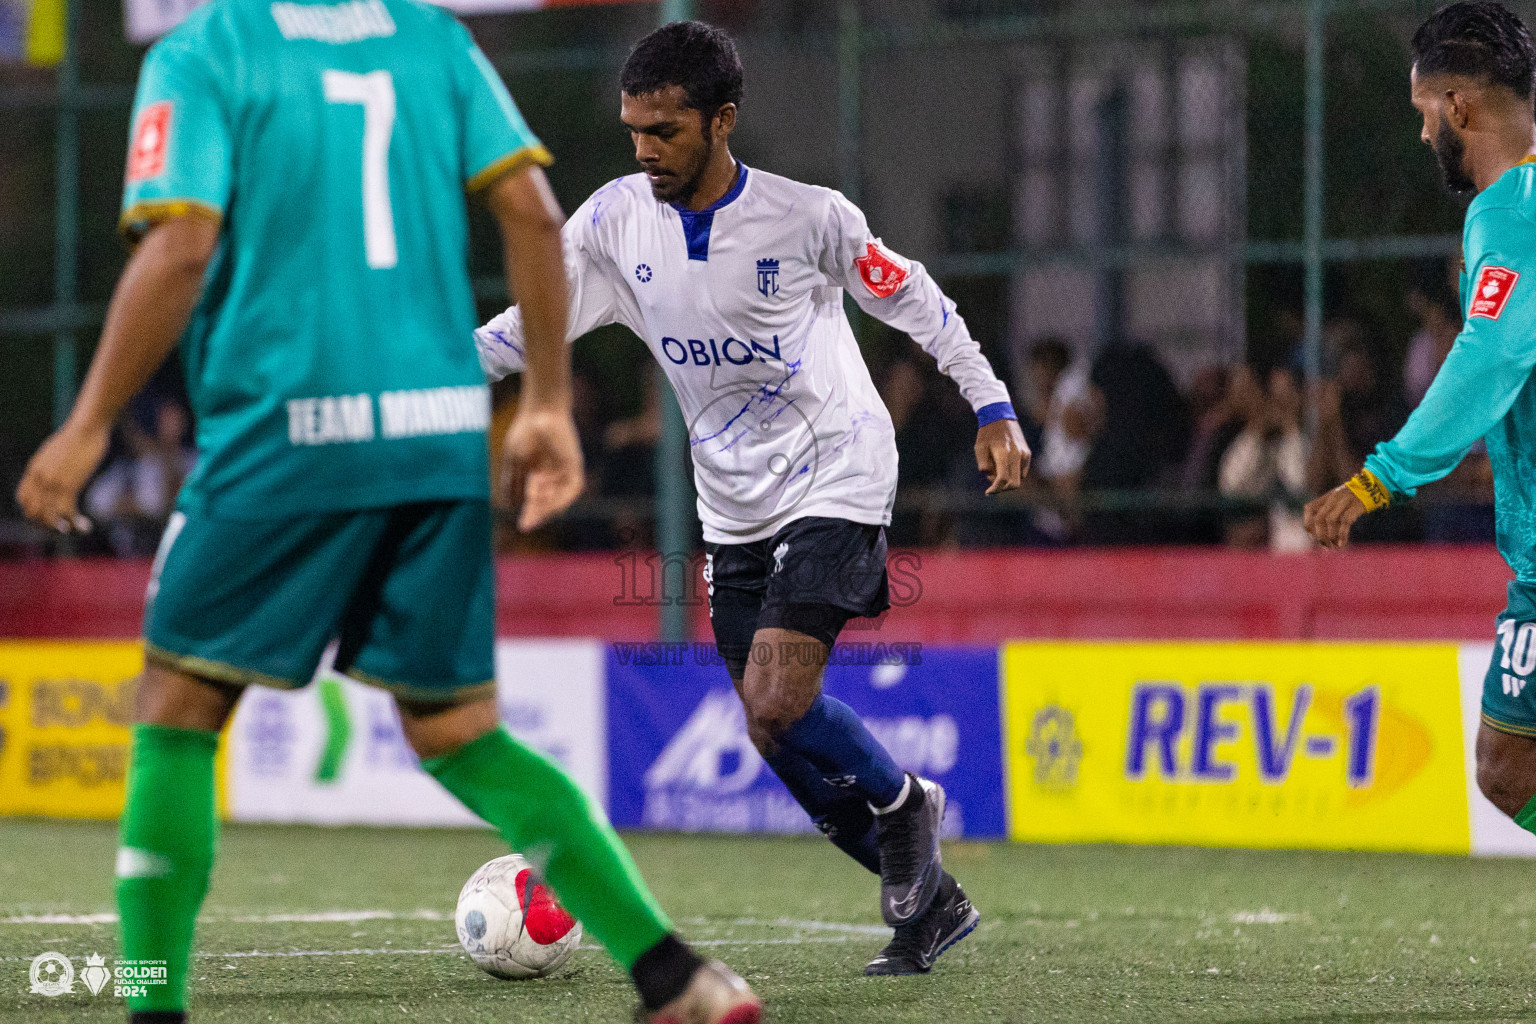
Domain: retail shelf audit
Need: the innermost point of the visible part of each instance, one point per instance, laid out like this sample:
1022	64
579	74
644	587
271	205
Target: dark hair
1479	39
700	58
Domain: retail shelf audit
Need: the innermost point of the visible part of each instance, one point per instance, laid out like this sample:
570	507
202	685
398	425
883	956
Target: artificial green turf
1068	933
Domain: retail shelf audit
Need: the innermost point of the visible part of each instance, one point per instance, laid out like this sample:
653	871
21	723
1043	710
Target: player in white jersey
735	278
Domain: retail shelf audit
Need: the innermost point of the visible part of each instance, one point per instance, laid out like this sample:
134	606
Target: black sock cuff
662	972
158	1017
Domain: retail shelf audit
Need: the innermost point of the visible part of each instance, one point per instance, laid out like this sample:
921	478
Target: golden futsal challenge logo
53	974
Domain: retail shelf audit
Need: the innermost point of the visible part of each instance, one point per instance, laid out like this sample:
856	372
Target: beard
1451	153
681	188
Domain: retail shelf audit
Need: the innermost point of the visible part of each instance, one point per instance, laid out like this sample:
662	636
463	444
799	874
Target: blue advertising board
679	757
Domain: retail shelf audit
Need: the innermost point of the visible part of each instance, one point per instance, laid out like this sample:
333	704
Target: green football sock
546	817
1526	819
165	853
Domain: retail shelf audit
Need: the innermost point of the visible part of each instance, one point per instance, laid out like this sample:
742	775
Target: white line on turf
329	916
785	922
807	941
1264	916
319	917
352	916
61	919
288	953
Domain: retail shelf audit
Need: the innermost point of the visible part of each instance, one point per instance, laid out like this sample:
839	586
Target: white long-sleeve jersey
742	305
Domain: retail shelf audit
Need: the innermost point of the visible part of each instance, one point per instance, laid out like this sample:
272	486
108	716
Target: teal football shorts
407	591
1509	702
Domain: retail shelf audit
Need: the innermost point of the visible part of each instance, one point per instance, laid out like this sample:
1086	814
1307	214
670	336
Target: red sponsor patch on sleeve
1494	286
882	271
146	156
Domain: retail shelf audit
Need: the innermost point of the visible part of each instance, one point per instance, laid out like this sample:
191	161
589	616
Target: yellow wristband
1368	489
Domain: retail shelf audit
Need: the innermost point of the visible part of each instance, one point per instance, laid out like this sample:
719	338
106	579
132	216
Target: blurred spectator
1068	409
627	463
1215	421
1141	444
1440	317
133	497
935	429
1064	404
1145	422
628	460
1267	460
1355	413
1358	408
935	436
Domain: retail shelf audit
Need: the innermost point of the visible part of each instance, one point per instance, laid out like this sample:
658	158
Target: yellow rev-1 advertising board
1326	746
65	710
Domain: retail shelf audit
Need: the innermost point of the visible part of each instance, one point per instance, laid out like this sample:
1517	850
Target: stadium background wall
1252	743
950	596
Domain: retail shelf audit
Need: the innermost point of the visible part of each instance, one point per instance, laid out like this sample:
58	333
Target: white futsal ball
509	923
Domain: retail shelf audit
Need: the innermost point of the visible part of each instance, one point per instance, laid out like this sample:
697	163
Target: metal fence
1298	182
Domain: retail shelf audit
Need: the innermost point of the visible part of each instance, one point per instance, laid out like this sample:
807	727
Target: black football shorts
811	577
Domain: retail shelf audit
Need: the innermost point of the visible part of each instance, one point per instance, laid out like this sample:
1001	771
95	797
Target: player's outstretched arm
1488	367
595	300
899	292
150	308
541	458
530	221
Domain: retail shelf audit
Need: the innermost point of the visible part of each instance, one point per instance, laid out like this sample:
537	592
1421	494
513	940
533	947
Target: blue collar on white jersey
696	223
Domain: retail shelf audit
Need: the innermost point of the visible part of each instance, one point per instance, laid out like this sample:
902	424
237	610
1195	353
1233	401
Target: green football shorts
408	592
1509	702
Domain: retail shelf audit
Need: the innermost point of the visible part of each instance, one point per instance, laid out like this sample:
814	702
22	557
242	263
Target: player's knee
767	723
1508	786
772	708
167	696
435	730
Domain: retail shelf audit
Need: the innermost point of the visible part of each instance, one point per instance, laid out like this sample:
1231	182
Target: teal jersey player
296	188
328	364
1486	391
1473	80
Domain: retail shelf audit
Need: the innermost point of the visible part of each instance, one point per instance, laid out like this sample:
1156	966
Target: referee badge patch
146	157
882	271
1494	285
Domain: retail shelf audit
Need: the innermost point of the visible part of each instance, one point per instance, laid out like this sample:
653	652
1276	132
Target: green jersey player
296	189
1472	81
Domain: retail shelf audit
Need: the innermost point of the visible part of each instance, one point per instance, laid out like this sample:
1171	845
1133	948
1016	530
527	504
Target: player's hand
1329	518
541	464
50	487
1002	454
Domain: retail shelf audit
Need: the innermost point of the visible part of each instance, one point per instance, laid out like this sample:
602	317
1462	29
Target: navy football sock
846	820
831	737
851	827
